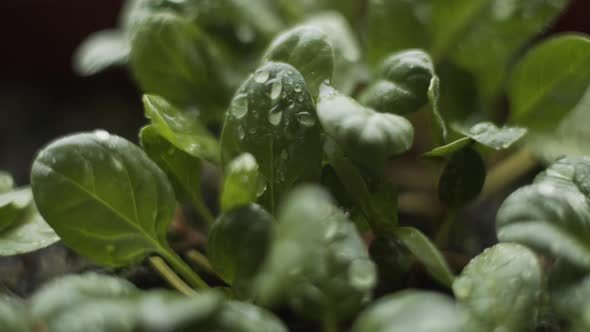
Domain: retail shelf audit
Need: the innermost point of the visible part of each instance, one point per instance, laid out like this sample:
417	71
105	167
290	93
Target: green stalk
172	278
183	269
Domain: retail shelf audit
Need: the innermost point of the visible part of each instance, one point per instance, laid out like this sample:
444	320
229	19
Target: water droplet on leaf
306	119
275	90
240	106
261	76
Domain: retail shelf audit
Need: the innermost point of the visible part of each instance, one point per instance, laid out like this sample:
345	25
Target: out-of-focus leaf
14	316
550	81
273	118
183	129
462	178
490	135
100	51
393	261
6	182
12	205
242	183
412	310
500	288
449	149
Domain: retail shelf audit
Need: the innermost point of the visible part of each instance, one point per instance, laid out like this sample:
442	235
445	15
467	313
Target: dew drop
300	98
102	135
298	87
240	106
261	188
261	76
290	72
274	116
241	133
275	90
306	119
361	274
252	131
479	128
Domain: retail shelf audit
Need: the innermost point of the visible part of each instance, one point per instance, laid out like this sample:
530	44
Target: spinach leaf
6	182
488	134
367	136
318	264
183	129
500	288
412	310
552	215
449	149
462	178
243	183
273	118
14	316
550	80
100	51
12	205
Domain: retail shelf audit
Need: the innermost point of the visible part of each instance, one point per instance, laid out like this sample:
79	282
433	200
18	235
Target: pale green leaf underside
100	51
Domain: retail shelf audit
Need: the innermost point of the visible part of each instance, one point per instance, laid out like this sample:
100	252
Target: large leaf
550	81
459	27
100	51
242	184
552	215
318	263
295	47
367	136
183	129
238	243
462	178
273	118
410	310
427	253
500	288
105	198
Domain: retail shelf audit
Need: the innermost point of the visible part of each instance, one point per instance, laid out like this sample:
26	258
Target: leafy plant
301	113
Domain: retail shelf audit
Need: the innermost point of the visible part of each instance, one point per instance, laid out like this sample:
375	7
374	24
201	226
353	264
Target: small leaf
100	51
242	183
27	231
318	263
182	128
238	243
552	214
273	118
295	46
488	134
403	83
6	182
427	253
462	178
367	136
500	288
550	81
12	205
449	149
411	310
104	197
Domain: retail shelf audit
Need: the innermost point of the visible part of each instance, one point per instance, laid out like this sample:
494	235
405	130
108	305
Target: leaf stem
505	172
200	260
172	278
181	267
442	236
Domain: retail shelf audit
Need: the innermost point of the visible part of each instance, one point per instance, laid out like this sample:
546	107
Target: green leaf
243	183
183	129
459	27
462	178
569	291
244	317
14	316
273	118
6	182
347	51
500	288
552	215
318	263
449	149
24	229
550	81
367	136
295	46
411	310
427	253
100	51
393	261
394	26
104	197
238	243
403	83
488	134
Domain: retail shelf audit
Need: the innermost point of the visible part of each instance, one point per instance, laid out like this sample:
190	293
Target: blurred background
42	98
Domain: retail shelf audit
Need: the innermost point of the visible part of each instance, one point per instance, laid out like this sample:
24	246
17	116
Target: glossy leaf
273	118
459	27
462	178
550	81
427	253
242	184
100	51
347	51
24	229
294	47
318	264
238	243
552	215
449	149
500	288
104	197
403	83
411	310
183	129
367	136
6	182
488	134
